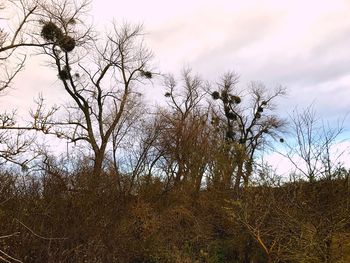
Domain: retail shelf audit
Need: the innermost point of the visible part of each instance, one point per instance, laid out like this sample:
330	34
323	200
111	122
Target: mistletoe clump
51	32
66	43
146	74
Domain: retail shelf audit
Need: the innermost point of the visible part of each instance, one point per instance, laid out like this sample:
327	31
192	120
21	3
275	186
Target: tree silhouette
246	122
100	76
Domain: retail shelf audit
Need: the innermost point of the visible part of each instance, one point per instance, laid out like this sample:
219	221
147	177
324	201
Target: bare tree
132	144
310	145
184	139
100	76
246	125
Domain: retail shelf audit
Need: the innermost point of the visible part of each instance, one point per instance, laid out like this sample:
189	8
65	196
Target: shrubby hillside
182	182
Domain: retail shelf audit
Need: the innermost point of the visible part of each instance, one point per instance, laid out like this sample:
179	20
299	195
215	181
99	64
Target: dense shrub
61	218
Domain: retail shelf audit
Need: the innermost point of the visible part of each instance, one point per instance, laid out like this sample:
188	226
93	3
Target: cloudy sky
302	45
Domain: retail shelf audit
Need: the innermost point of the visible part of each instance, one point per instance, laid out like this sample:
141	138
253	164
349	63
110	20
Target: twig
7	255
4	259
39	236
11	235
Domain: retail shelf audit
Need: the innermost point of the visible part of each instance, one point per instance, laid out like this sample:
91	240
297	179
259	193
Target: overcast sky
302	45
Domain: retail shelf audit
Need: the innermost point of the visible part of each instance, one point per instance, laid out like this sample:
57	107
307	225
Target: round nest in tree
51	32
260	109
66	43
167	94
146	74
231	116
282	140
215	95
236	99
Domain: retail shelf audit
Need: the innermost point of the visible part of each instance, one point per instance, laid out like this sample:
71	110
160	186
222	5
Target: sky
301	45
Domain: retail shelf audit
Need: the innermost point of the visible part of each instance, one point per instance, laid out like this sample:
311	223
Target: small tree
310	145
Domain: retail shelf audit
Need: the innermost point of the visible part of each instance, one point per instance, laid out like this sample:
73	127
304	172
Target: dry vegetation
181	183
57	218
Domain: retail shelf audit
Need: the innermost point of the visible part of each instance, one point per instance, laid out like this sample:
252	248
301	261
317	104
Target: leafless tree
184	139
310	145
246	123
100	74
132	145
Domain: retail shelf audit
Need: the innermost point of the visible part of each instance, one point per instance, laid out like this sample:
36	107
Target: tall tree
184	139
246	123
100	74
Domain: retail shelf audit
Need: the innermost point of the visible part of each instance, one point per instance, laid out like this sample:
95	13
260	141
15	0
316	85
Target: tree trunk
239	176
98	164
249	171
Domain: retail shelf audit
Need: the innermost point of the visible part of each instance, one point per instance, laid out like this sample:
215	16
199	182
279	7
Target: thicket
179	183
58	218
